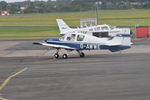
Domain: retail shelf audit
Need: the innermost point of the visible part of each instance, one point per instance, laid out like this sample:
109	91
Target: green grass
27	33
110	17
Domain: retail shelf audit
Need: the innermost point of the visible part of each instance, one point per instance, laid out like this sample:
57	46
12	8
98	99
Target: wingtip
36	43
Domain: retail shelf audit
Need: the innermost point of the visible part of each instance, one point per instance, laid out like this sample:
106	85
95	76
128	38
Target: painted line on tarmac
9	78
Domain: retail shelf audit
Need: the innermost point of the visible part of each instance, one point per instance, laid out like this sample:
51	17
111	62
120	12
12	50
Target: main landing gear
56	55
65	55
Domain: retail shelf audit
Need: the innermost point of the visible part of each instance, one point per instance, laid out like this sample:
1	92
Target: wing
54	46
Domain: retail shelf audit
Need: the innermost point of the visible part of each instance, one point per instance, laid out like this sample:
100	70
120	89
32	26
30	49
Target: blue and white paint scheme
80	42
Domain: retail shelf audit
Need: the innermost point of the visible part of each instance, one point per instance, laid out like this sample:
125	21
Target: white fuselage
99	31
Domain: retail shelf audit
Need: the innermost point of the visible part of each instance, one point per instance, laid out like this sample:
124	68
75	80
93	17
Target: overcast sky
18	0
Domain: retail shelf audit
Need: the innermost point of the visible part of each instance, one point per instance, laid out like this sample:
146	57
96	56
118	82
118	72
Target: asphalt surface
101	75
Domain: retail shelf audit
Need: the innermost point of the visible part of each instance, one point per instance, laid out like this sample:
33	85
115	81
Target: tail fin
63	27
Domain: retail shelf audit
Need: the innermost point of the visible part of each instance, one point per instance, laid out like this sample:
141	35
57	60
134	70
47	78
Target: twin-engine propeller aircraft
80	42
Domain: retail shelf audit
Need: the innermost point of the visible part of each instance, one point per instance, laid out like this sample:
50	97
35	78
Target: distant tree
14	7
3	5
146	5
38	6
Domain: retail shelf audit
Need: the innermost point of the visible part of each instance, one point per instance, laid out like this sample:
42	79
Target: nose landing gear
81	54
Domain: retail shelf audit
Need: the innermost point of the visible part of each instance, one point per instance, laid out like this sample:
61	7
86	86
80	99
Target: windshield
104	28
61	38
71	37
80	37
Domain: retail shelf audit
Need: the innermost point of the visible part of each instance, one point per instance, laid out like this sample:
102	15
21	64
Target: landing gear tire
56	55
65	56
82	55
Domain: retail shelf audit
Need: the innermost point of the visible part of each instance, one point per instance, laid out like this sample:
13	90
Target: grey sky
17	0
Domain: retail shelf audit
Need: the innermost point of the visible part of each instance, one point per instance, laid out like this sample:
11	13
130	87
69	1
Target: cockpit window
113	27
98	28
68	38
62	38
91	29
105	28
71	38
80	37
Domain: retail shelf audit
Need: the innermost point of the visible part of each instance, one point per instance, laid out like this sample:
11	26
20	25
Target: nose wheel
82	54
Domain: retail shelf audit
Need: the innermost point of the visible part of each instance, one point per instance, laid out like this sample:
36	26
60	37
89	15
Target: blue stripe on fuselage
77	46
89	46
123	35
71	45
114	48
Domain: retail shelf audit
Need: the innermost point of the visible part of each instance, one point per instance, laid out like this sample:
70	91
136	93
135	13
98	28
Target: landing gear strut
81	54
56	55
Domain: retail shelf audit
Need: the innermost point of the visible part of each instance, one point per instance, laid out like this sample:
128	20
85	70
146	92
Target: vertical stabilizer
63	27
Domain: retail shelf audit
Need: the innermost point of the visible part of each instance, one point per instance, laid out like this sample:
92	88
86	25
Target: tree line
37	6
